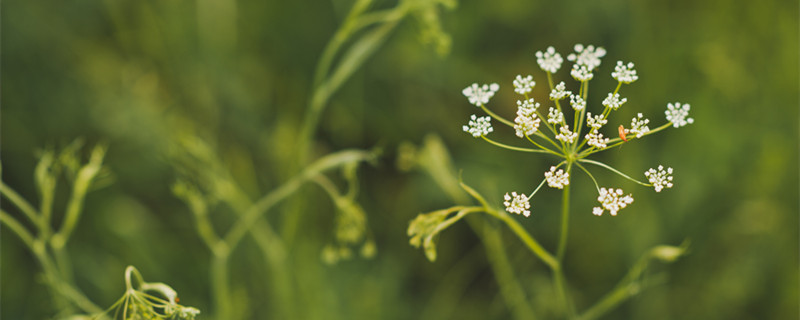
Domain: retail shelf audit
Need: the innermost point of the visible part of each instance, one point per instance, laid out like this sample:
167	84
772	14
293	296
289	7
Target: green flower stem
20	202
600	164
75	205
247	220
558	274
543	136
349	26
17	228
505	146
220	286
509	286
526	238
626	288
351	60
63	288
596	185
499	118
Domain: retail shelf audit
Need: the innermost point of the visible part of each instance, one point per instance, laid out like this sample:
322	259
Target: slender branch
558	274
20	202
526	238
597	186
505	146
17	228
510	288
246	221
600	164
499	118
75	204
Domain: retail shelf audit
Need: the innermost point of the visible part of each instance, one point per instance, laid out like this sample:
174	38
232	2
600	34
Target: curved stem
505	146
246	221
499	118
597	186
600	164
526	238
540	146
20	202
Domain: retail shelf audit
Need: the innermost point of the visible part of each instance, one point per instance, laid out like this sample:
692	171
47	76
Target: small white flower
660	178
596	139
587	56
528	106
517	204
560	92
613	101
577	102
555	116
557	179
549	60
624	73
480	95
678	114
479	126
565	135
526	122
639	126
524	85
595	122
612	200
581	73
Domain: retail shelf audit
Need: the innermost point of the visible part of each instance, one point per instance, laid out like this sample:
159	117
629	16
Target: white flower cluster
480	95
581	73
524	85
596	139
660	178
479	126
624	73
549	60
677	114
560	92
526	122
577	102
595	122
639	126
613	101
556	179
587	56
555	116
565	135
612	200
517	203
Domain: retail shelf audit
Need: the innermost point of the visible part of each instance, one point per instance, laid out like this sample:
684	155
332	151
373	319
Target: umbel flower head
574	140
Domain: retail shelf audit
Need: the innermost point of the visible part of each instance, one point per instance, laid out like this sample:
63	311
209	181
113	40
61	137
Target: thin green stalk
220	286
499	118
60	286
17	228
526	238
542	147
509	286
558	274
596	185
626	288
75	204
600	164
20	202
247	220
505	146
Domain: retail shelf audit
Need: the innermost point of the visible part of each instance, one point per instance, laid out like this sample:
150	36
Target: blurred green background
238	74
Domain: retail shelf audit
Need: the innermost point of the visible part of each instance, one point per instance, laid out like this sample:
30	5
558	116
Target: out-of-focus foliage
141	75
